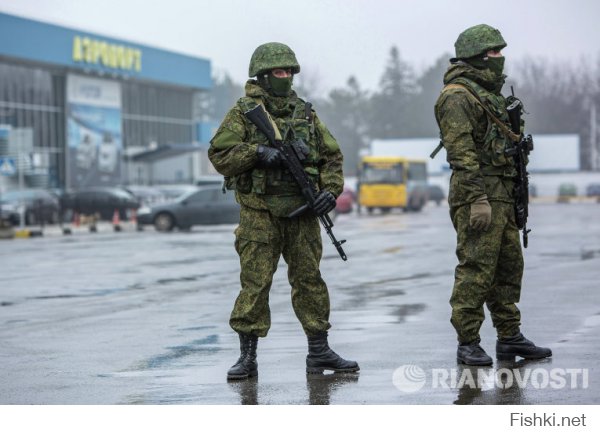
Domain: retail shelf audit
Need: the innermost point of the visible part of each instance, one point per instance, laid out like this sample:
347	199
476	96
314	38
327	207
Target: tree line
558	98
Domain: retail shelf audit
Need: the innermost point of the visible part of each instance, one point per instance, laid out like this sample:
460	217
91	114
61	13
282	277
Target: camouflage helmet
478	40
270	56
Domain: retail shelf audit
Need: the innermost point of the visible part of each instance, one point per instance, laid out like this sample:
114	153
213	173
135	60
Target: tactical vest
300	125
492	146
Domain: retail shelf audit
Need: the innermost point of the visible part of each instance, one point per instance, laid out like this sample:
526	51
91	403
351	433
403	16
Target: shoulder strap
501	125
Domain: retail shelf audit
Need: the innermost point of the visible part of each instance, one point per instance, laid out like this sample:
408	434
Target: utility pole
21	169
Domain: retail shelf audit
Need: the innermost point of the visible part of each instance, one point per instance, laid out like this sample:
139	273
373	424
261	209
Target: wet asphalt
142	318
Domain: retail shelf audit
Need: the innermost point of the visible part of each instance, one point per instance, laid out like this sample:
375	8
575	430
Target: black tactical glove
324	202
268	157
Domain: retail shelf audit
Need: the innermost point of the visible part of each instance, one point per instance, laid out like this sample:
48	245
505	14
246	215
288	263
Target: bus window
371	174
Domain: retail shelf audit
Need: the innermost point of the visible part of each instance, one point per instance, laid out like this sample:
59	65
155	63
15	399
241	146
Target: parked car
566	191
593	189
40	205
345	201
9	213
147	195
203	206
435	193
533	191
102	200
172	192
207	180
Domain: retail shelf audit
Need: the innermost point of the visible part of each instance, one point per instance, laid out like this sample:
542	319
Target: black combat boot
320	357
246	365
472	354
510	347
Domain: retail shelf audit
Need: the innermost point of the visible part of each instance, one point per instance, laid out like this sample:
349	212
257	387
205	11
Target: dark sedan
203	206
435	193
593	190
40	205
102	200
8	213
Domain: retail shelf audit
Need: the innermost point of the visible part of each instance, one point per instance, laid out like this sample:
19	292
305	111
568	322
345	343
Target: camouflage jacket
474	143
233	153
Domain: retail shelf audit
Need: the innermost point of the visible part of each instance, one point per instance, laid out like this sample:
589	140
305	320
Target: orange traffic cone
115	221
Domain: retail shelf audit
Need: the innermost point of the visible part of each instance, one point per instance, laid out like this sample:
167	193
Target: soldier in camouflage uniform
267	194
481	199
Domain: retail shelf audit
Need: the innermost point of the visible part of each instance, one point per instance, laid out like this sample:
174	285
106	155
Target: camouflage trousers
261	239
489	271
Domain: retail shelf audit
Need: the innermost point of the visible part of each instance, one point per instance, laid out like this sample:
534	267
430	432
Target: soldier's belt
497	172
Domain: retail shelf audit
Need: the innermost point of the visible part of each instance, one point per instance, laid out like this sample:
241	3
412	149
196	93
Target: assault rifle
292	162
519	151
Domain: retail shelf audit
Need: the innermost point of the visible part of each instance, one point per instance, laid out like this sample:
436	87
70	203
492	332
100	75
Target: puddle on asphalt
588	254
197	328
206	345
403	311
87	294
505	384
382	282
194	260
590	323
190	278
58	297
320	388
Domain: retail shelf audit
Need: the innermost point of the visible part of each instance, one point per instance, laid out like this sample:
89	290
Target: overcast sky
333	39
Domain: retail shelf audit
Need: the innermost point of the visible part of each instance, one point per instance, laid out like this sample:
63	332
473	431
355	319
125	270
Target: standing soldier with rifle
286	170
488	196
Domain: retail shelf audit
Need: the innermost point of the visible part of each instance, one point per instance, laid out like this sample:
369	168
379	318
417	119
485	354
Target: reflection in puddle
320	387
247	389
506	384
405	310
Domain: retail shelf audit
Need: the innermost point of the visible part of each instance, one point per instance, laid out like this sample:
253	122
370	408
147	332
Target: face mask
496	65
281	87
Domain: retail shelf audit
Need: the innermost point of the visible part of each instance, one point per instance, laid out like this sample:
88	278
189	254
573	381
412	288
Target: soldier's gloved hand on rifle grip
481	214
268	157
324	202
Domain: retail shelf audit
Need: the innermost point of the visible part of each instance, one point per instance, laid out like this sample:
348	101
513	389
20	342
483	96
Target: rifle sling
260	102
501	125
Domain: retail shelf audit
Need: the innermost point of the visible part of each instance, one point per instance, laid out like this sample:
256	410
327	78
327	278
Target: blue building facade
73	104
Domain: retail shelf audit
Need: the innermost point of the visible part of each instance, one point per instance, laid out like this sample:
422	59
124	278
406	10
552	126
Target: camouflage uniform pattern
490	264
270	56
477	40
267	197
261	239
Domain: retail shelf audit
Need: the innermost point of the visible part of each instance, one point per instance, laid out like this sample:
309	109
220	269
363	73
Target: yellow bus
391	182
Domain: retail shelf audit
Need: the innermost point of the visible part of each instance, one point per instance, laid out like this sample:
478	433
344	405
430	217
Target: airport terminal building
79	109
